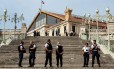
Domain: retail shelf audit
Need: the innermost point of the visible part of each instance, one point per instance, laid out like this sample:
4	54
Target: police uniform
59	53
86	55
48	54
32	55
95	53
21	51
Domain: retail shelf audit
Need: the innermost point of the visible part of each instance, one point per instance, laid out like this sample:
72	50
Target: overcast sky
31	7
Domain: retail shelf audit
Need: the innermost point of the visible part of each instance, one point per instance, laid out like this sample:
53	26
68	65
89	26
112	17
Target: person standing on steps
21	51
86	52
95	53
59	54
35	33
48	50
32	50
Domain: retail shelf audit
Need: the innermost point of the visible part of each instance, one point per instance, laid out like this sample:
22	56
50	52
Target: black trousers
48	57
86	58
59	57
20	58
95	54
32	58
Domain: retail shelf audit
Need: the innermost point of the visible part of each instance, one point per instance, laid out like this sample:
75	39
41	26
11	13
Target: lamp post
109	16
15	19
21	18
5	16
89	17
97	20
0	23
0	18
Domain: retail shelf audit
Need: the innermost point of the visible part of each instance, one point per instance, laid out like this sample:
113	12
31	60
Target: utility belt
50	51
31	52
95	50
86	52
20	51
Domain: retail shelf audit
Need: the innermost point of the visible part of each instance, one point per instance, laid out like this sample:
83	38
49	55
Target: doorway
73	28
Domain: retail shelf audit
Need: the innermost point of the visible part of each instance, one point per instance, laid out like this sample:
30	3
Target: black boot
92	65
83	66
86	65
99	65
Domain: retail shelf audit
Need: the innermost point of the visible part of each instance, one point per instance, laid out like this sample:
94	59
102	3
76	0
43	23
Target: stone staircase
72	58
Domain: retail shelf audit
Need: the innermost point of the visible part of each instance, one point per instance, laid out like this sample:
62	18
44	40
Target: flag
43	2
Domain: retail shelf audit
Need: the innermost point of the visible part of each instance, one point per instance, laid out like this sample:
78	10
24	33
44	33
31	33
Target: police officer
59	54
85	52
32	50
95	53
21	51
48	50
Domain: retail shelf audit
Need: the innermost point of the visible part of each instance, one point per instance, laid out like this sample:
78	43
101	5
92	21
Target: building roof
62	17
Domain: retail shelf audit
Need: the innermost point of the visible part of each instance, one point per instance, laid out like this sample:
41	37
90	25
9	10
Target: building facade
53	24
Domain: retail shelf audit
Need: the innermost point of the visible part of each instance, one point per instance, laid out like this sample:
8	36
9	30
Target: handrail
103	42
10	30
10	38
99	30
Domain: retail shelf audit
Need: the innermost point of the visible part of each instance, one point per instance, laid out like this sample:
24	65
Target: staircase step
72	57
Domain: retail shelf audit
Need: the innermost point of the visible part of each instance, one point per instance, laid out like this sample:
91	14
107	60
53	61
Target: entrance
73	28
53	32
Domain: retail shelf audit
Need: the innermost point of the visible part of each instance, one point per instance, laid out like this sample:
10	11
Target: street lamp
109	16
21	18
5	13
5	16
97	20
89	17
0	18
15	19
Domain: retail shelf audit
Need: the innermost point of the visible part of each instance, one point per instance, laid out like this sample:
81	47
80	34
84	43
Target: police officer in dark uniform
59	54
21	51
95	53
48	50
86	52
32	50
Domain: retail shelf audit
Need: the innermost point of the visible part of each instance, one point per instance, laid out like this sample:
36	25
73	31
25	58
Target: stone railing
103	41
6	41
10	38
10	31
99	30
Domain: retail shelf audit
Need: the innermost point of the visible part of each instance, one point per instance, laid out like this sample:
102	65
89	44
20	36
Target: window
40	22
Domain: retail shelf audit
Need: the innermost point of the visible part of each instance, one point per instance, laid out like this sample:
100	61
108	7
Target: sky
30	8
